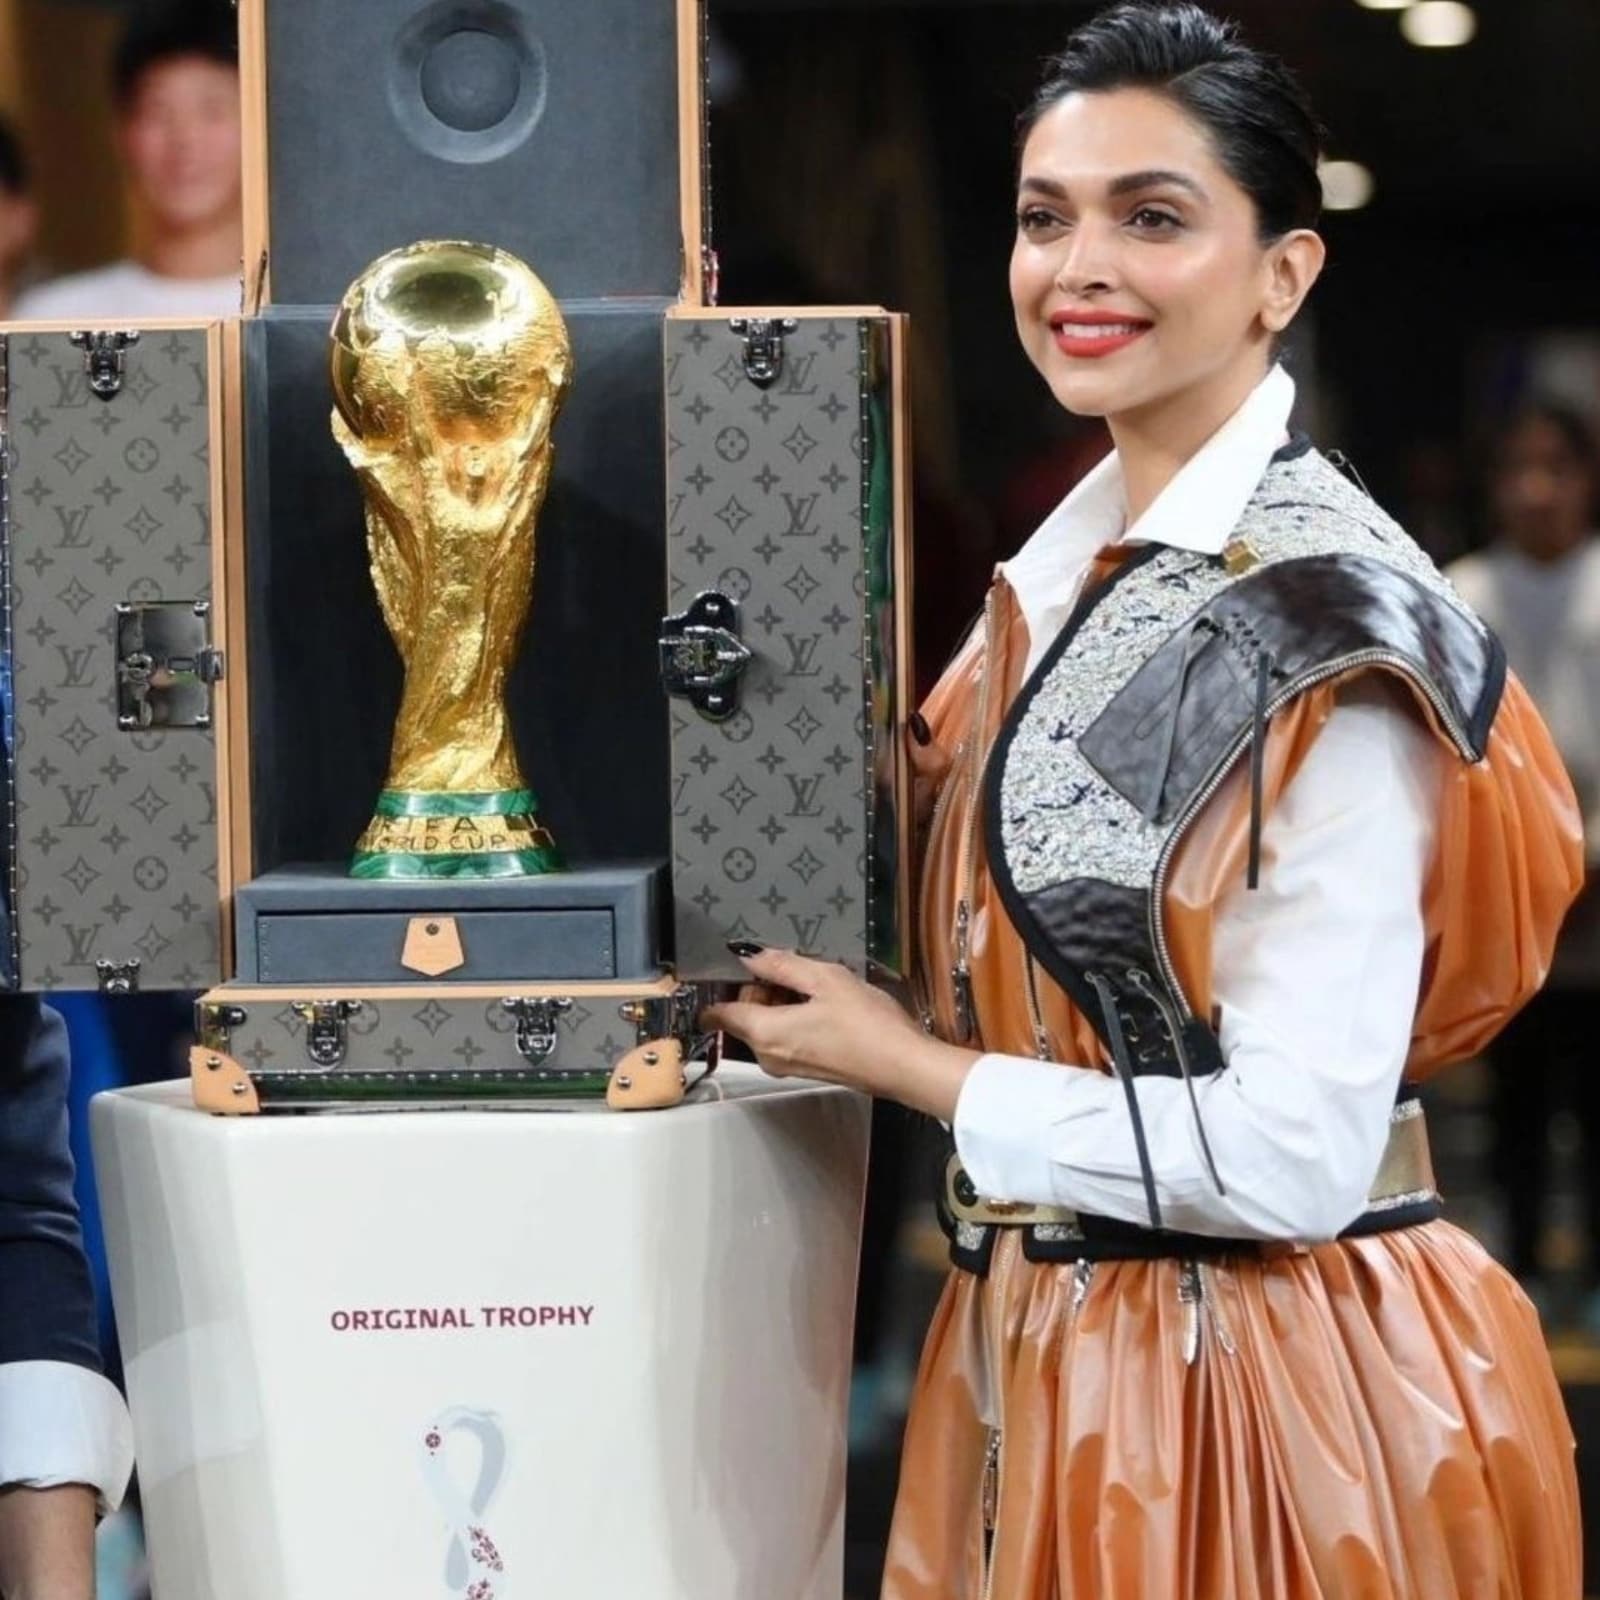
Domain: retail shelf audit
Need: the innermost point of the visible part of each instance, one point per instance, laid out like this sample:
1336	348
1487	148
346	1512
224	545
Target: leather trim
1304	615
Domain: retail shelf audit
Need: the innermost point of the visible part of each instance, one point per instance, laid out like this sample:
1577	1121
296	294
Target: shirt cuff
1002	1112
61	1424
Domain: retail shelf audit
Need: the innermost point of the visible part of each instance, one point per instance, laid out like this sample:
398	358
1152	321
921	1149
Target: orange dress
1366	1419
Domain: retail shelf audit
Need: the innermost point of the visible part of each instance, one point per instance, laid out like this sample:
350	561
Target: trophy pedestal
317	924
487	1354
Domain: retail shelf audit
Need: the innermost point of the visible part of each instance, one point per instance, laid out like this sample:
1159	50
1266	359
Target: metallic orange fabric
1373	1418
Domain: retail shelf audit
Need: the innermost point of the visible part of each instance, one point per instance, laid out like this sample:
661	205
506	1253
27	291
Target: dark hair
1566	419
1255	111
13	163
167	31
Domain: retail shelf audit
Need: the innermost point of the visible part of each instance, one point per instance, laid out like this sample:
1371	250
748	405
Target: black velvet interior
548	127
589	713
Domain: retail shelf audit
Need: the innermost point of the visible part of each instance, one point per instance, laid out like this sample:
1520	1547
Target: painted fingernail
745	947
920	731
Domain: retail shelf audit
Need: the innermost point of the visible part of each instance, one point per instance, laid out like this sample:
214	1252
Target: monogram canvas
441	1033
114	833
779	498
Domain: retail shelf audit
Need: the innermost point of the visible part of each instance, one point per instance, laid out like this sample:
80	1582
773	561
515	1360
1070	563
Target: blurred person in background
176	80
1538	587
19	217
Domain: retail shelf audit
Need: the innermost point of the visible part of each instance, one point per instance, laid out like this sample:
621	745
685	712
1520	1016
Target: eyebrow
1128	183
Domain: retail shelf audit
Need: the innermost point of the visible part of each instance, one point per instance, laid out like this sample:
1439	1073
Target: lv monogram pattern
765	498
109	501
439	1034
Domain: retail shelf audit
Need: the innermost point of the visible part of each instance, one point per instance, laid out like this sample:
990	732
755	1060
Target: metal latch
327	1028
214	1023
763	346
166	665
538	1030
702	655
104	360
118	977
670	1016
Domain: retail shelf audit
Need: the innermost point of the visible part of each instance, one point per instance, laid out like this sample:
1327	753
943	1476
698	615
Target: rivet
214	1063
624	1082
241	1088
651	1057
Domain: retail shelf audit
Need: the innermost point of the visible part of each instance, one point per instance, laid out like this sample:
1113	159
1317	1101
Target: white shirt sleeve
1316	974
62	1424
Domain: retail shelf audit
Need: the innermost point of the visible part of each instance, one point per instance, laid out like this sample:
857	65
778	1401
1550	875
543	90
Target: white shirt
125	289
61	1424
1316	972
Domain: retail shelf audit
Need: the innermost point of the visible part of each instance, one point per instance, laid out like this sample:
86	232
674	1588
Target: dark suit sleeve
46	1301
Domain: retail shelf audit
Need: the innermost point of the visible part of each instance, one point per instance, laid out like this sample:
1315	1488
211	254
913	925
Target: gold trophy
450	362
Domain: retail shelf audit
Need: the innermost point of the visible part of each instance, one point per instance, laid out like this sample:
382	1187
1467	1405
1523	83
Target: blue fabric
47	1309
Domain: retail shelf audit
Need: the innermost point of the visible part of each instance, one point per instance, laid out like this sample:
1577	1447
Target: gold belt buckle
967	1205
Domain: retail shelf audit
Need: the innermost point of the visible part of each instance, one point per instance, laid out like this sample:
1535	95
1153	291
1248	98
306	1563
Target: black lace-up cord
1124	1066
1141	980
1258	763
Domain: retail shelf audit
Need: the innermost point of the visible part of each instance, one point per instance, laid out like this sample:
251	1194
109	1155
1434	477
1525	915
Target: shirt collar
1197	510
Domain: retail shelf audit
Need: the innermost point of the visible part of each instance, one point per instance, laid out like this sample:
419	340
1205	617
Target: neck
206	250
1155	442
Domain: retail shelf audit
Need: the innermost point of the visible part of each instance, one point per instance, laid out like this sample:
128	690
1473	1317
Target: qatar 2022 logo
473	1567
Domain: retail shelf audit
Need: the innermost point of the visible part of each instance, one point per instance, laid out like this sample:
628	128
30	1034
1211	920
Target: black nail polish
920	731
745	947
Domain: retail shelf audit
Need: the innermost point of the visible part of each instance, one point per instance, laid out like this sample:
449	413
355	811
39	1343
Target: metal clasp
214	1023
702	655
538	1027
327	1028
763	346
104	360
166	665
118	977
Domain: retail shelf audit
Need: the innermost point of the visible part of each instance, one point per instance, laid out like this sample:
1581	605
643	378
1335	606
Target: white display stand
617	1344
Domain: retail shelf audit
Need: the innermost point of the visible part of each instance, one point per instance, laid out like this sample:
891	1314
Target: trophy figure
450	362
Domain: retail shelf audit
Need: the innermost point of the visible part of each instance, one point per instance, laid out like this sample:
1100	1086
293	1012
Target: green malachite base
448	835
484	864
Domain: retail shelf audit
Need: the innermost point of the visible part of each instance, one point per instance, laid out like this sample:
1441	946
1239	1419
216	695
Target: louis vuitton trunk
119	725
786	654
263	1047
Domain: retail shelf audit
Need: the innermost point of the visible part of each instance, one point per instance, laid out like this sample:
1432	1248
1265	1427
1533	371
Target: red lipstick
1095	333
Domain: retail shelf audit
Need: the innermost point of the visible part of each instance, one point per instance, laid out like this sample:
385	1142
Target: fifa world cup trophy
450	362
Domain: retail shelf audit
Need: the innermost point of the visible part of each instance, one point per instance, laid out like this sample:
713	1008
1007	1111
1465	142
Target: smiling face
1138	277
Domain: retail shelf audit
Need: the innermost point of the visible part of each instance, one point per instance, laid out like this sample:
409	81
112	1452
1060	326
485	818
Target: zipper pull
961	978
1190	1294
991	1482
1339	459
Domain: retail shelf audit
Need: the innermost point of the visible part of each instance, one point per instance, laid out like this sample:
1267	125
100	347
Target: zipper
1030	980
966	1011
1005	1253
1219	773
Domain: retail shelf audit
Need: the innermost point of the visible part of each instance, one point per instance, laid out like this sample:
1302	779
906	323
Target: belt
1403	1193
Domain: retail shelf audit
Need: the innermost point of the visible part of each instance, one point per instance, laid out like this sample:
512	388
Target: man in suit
65	1440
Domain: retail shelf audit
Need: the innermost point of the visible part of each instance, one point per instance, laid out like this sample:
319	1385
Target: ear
1293	265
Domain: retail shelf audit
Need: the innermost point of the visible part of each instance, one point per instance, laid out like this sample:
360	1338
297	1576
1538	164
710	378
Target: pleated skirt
1373	1419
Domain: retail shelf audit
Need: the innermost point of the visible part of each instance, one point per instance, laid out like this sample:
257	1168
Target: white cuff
1003	1114
60	1424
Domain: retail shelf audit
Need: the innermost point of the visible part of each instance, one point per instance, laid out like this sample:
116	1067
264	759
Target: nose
1088	263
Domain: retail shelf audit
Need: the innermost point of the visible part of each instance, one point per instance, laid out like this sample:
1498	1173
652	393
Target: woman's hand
842	1030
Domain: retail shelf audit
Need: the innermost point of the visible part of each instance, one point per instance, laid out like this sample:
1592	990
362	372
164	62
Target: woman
1242	829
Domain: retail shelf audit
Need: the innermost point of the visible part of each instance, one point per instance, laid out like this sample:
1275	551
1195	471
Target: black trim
1110	1239
1077	988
